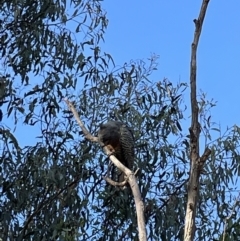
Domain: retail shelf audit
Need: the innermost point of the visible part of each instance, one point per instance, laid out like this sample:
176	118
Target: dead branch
196	163
131	179
113	183
86	133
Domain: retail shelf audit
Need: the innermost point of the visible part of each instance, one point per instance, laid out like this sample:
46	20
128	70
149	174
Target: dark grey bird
119	139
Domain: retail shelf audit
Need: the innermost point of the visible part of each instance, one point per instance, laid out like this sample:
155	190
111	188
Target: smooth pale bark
196	162
131	179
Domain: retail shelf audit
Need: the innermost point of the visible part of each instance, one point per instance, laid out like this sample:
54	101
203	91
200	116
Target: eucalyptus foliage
52	189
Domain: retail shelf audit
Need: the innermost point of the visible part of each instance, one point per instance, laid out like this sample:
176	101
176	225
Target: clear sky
165	27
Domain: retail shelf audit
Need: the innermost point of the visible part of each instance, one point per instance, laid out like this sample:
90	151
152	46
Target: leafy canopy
52	187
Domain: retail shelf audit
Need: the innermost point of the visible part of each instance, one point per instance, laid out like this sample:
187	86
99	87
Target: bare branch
131	179
196	162
205	155
113	183
86	133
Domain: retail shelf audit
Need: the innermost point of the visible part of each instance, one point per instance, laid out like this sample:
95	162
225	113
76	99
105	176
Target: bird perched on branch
119	139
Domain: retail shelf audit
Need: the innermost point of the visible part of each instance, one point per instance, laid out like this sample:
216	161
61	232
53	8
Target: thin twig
86	133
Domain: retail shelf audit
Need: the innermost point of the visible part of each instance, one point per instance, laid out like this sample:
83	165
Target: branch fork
131	179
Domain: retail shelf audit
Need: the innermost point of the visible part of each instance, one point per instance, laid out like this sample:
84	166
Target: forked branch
131	179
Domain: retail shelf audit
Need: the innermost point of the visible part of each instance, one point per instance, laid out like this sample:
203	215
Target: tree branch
131	179
196	163
86	133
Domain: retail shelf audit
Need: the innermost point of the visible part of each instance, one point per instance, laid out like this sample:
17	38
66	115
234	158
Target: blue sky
165	27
